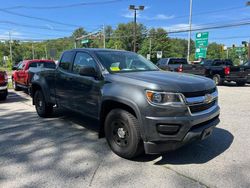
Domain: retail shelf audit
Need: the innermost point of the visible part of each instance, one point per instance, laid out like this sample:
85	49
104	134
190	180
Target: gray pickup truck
140	108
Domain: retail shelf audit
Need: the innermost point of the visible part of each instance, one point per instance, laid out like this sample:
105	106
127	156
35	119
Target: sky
47	19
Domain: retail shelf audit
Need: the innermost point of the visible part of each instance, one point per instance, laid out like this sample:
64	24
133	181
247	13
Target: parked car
224	70
246	65
3	85
24	71
218	70
180	64
138	106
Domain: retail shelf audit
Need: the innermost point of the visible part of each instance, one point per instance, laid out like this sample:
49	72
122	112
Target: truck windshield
177	61
119	61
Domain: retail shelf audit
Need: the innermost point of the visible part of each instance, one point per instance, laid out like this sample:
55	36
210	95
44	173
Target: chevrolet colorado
139	107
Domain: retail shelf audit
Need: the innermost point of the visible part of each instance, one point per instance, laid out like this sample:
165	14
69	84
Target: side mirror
88	71
14	68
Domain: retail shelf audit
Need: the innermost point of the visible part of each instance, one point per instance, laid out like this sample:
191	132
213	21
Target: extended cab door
19	74
85	89
63	80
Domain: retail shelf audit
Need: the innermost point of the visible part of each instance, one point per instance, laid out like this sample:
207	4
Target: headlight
164	98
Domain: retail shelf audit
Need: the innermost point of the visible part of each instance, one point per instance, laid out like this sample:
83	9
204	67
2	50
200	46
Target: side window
66	61
217	63
20	66
33	65
82	59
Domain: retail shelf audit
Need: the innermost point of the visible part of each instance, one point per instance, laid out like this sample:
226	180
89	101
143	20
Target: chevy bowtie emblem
208	98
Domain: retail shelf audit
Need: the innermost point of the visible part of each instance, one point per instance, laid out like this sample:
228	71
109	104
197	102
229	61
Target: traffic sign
85	41
159	54
201	39
200	53
148	56
240	49
202	35
201	43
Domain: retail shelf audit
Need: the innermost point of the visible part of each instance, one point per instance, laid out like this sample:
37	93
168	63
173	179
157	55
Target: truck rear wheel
240	83
16	88
123	134
3	96
217	79
43	109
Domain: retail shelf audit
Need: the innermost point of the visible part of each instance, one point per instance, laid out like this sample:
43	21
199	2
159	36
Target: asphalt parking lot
64	151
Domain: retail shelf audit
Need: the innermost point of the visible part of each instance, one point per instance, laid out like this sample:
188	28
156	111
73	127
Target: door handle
69	79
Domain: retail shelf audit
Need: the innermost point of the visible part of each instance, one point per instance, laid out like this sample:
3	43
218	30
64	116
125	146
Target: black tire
43	109
3	97
16	88
241	83
123	134
217	79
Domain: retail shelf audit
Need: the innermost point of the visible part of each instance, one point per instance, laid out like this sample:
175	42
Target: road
64	151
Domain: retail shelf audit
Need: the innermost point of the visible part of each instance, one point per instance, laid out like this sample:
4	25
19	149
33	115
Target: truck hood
174	82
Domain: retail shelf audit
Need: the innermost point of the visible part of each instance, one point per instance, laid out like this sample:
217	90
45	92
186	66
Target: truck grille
201	107
199	93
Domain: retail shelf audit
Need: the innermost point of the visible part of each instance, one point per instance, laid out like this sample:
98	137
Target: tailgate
238	71
194	69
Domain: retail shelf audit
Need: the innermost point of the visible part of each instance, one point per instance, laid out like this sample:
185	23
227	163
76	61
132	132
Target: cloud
14	34
161	17
178	27
130	14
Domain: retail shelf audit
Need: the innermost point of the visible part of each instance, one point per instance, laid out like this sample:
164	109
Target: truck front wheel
123	134
43	109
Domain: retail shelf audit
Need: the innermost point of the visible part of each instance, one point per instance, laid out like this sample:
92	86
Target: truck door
20	73
63	80
86	90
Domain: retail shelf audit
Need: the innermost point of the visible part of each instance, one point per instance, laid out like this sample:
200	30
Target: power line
35	33
65	6
33	26
212	11
37	18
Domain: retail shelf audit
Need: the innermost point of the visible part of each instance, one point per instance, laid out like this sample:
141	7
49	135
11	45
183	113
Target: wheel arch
112	103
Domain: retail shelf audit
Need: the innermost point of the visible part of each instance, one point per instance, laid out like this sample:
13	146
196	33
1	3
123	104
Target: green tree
157	40
123	35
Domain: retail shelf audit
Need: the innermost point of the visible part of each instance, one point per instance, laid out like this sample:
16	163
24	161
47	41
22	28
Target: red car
22	74
3	85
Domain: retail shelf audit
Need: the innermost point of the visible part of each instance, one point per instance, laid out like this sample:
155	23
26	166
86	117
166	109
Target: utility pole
46	53
150	45
10	38
190	28
134	8
104	37
33	52
248	50
75	43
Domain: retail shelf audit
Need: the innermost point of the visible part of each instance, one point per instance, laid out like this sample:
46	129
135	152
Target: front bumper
190	128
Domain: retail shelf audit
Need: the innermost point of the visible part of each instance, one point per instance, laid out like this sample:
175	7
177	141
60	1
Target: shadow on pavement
197	152
15	97
233	84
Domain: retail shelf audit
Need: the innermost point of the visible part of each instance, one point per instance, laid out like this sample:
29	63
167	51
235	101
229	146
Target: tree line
149	41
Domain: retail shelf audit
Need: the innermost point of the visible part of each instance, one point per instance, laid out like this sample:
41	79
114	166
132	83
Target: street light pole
190	28
134	30
104	37
134	8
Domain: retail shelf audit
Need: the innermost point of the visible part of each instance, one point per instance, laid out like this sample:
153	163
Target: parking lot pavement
65	151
